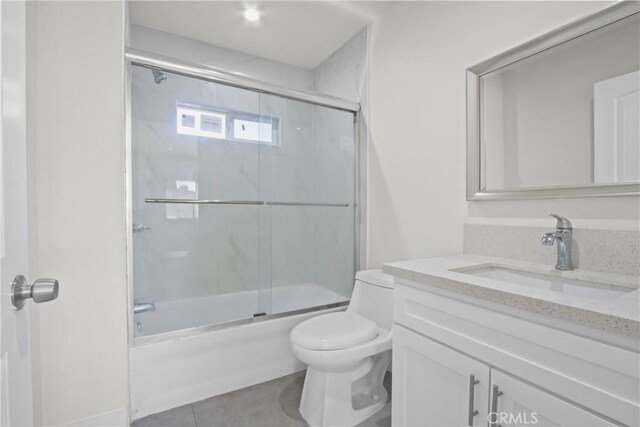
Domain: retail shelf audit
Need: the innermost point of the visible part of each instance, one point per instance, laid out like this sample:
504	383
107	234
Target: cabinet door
434	385
516	403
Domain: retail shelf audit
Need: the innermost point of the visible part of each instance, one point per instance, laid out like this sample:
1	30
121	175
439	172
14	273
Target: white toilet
347	354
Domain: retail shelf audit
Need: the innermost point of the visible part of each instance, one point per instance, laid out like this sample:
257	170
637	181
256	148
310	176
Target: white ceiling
302	33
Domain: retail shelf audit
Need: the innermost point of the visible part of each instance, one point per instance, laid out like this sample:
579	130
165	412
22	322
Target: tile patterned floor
271	404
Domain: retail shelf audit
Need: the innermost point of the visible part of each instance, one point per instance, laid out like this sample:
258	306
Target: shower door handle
42	290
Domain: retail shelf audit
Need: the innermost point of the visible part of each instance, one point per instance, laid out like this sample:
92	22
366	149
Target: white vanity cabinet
435	385
520	403
528	373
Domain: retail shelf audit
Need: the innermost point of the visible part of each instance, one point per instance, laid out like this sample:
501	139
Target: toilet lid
334	331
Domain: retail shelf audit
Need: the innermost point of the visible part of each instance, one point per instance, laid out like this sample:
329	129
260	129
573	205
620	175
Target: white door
517	403
616	129
434	385
15	369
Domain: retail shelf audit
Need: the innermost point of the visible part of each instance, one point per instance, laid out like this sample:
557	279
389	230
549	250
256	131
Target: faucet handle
563	223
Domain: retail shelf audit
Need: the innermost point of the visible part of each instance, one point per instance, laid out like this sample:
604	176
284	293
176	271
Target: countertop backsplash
613	251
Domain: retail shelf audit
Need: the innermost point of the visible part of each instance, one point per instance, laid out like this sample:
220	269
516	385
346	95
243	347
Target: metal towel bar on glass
242	202
336	205
206	202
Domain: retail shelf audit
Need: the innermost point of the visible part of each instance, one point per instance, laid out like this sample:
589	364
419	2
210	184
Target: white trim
109	419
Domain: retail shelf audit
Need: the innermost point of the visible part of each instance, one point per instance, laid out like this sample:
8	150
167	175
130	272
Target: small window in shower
196	122
230	125
253	131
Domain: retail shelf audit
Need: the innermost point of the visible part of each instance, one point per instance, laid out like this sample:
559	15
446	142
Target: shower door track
216	75
197	330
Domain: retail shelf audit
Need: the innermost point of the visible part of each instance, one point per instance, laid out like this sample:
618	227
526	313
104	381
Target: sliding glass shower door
242	203
308	225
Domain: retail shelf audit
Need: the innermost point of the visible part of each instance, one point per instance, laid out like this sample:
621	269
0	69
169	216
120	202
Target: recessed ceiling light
251	15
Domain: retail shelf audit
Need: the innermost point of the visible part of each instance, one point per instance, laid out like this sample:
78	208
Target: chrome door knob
42	290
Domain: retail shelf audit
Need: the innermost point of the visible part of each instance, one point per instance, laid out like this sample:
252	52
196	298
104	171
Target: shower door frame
154	61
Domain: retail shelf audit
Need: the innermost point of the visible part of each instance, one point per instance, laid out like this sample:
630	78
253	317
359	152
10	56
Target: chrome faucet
563	236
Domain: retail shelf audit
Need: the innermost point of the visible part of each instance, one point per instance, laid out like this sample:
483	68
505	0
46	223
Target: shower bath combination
243	218
247	199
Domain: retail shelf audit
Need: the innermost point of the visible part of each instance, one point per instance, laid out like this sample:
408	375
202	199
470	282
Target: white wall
419	53
76	149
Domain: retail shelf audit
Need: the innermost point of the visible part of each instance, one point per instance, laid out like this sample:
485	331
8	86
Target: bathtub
173	361
188	313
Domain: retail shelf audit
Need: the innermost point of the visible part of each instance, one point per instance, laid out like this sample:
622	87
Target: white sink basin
579	288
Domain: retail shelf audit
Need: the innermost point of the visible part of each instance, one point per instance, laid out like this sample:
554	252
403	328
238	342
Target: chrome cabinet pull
494	406
472	386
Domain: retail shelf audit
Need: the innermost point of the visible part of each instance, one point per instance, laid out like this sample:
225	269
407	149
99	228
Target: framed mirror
559	116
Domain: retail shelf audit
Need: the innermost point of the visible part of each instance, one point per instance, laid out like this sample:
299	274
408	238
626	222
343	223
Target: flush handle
42	290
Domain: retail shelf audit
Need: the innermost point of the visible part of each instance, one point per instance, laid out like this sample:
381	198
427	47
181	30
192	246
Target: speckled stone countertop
620	314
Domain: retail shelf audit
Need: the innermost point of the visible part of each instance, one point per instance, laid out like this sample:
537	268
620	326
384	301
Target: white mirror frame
553	38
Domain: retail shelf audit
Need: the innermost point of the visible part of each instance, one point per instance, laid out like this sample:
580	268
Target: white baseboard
110	419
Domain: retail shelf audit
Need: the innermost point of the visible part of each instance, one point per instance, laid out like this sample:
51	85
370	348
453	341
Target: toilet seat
334	331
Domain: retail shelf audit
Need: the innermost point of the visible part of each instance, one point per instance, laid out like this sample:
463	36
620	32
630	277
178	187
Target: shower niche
243	202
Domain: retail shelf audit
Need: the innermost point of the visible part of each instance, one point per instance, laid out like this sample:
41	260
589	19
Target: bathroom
290	213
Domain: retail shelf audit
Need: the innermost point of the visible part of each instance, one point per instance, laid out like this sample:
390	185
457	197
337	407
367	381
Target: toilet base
346	397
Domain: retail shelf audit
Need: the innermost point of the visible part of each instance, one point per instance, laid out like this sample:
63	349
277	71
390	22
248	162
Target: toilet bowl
347	354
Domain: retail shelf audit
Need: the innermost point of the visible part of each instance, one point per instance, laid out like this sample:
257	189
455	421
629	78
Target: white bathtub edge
173	373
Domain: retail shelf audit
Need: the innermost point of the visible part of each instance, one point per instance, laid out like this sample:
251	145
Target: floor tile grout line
193	412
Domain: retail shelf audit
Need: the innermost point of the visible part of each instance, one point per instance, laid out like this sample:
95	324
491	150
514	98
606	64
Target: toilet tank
373	297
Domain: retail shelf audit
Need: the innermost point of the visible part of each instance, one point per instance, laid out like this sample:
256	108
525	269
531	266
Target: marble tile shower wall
314	165
169	256
612	251
334	230
345	74
195	51
223	249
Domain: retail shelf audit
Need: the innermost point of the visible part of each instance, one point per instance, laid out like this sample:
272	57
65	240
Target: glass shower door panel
308	180
196	263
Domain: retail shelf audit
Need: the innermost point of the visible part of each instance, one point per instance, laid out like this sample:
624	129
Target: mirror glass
567	116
